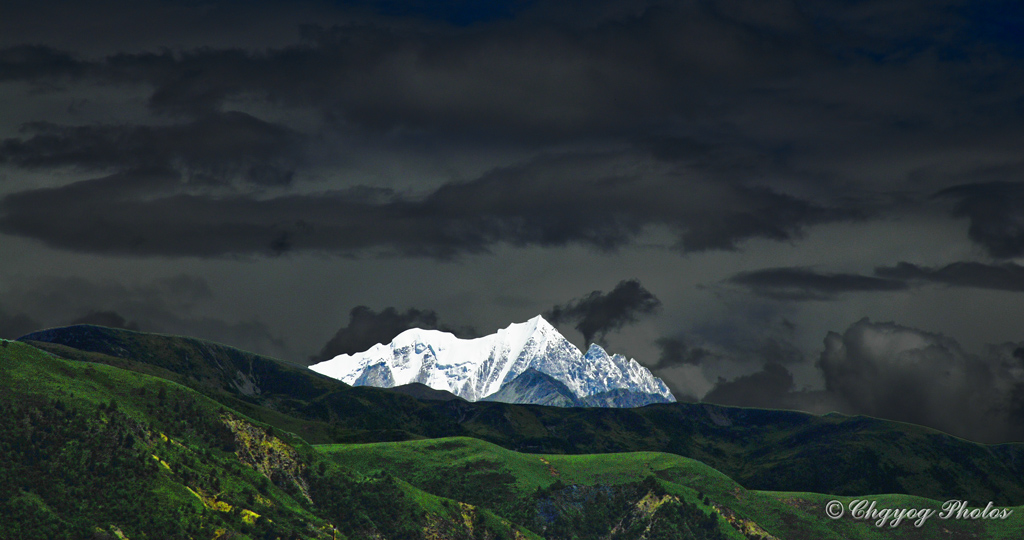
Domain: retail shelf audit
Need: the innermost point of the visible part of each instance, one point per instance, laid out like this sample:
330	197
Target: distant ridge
212	364
536	388
422	391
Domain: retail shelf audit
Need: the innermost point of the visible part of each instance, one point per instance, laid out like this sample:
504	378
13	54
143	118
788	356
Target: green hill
760	449
94	451
537	491
146	436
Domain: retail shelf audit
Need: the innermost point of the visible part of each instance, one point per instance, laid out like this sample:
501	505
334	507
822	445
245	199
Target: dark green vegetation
547	492
92	451
422	391
110	432
760	449
560	497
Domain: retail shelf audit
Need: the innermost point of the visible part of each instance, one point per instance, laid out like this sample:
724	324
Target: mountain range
529	363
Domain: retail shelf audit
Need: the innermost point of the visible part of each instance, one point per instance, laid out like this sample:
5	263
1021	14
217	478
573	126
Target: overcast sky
801	204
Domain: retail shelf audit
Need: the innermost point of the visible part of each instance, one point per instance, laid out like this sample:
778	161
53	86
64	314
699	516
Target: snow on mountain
475	368
538	388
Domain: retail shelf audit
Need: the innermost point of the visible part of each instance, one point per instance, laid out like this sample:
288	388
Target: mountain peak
420	334
476	368
540	323
535	325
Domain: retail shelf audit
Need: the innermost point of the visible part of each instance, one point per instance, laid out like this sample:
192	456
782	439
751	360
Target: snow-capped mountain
476	368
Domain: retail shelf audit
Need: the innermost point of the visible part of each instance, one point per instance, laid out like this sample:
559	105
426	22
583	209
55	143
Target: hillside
760	449
538	491
142	457
93	451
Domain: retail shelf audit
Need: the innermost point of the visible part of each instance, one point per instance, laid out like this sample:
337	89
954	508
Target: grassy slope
89	448
497	476
34	380
761	449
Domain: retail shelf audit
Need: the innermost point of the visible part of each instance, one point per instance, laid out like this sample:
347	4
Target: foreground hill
545	492
95	452
760	449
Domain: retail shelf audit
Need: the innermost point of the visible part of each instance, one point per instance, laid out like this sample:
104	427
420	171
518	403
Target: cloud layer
996	214
801	284
555	201
806	284
171	305
895	372
684	90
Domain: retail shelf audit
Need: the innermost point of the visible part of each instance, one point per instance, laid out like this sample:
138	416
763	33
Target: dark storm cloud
539	75
585	198
778	350
64	299
899	373
144	212
165	305
592	70
367	328
213	147
691	85
768	348
598	313
772	388
1003	277
996	214
457	12
555	201
13	326
110	319
795	283
748	336
36	62
891	371
771	385
677	352
553	70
